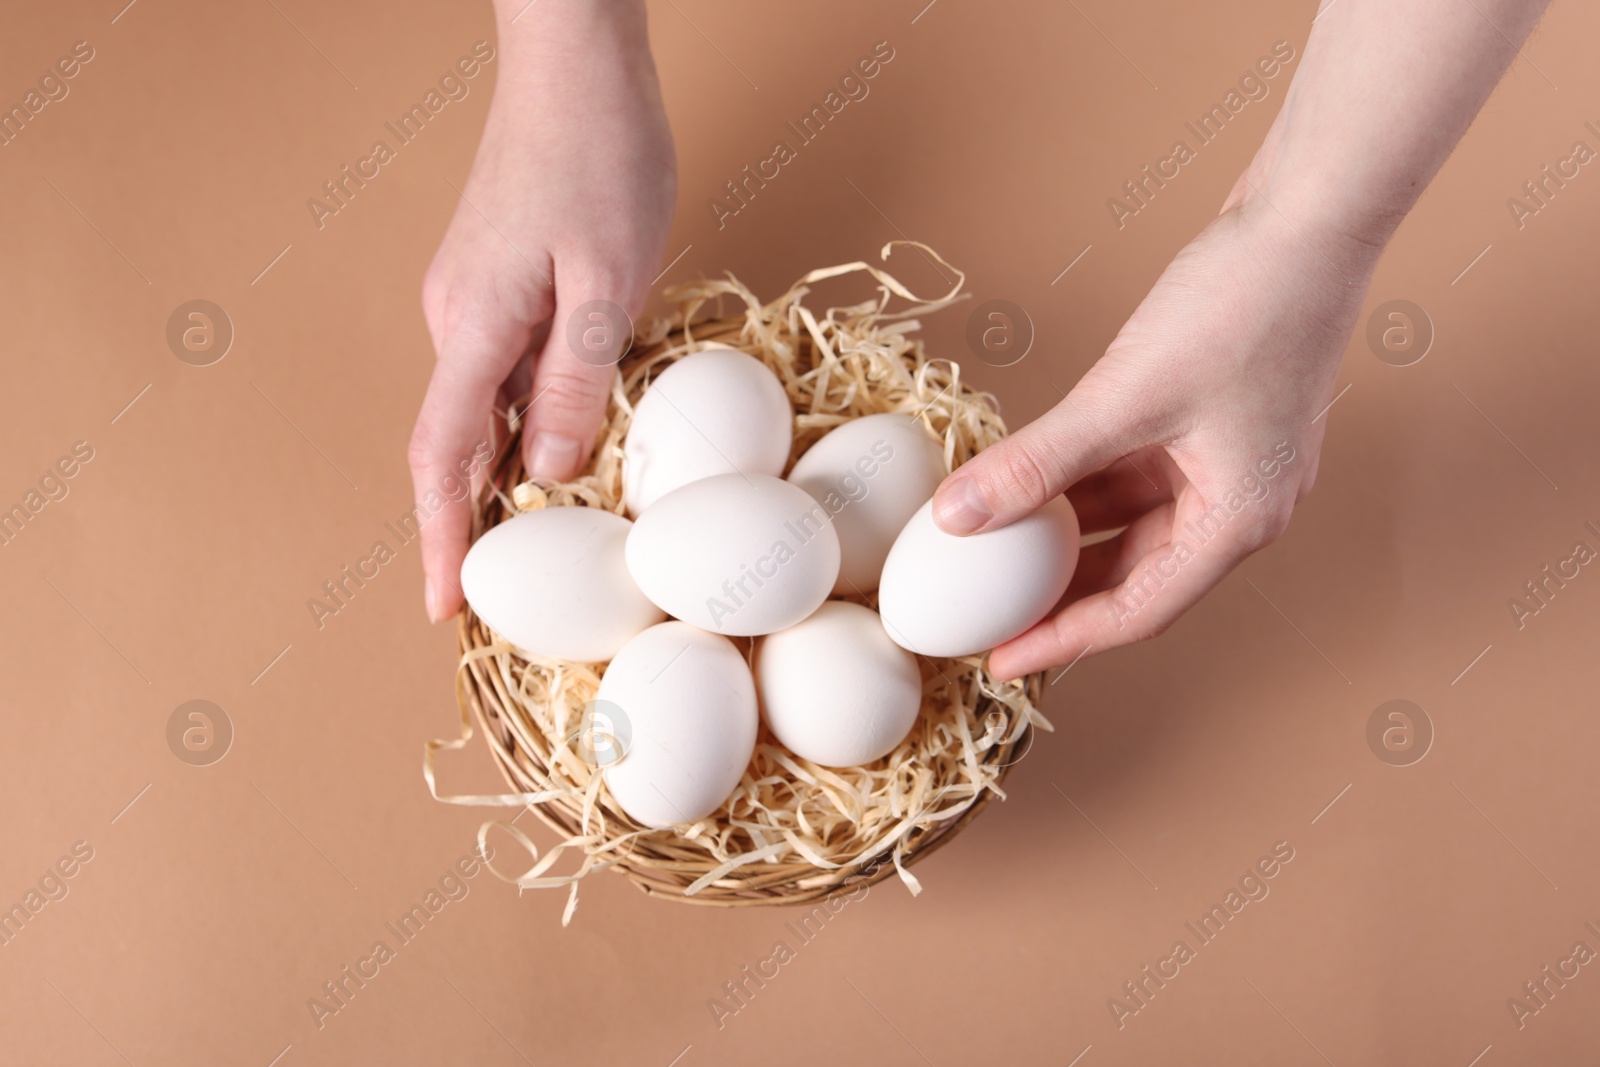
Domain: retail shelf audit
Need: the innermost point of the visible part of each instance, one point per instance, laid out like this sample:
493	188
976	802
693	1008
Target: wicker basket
792	832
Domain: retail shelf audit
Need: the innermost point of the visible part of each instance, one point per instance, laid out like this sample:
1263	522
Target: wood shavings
792	831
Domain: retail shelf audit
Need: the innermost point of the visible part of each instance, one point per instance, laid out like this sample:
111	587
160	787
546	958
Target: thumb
572	380
1020	474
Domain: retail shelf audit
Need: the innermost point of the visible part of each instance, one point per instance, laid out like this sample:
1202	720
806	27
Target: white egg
943	595
555	583
871	474
682	706
835	689
740	554
715	411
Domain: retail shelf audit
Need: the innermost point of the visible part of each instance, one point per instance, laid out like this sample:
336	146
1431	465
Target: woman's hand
569	201
1198	430
1200	427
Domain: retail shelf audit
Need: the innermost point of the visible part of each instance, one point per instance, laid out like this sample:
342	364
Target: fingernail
430	598
554	456
958	508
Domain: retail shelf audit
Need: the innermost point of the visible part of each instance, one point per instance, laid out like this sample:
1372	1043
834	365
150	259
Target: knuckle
463	301
1265	527
1154	629
421	452
1064	639
483	298
1139	613
434	287
1020	473
1151	625
609	276
1100	407
569	393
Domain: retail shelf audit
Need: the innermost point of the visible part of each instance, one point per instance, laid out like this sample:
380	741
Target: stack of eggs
726	547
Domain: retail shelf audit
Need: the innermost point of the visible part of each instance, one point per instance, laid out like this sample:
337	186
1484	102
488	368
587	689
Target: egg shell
943	595
688	708
715	411
555	582
740	554
871	474
835	689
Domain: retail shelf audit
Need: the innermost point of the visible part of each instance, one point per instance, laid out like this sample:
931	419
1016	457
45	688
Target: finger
1108	563
448	443
572	376
1313	447
517	389
1129	488
1203	545
1016	476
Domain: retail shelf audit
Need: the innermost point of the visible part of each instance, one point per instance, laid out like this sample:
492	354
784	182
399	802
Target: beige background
180	565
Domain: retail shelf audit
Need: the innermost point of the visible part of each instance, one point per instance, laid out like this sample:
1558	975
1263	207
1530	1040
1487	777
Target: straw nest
792	832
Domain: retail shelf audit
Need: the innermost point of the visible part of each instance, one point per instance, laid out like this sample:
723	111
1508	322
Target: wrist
1320	204
570	57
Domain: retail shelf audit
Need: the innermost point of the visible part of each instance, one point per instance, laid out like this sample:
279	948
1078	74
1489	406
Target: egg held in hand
738	554
686	703
835	690
871	474
555	583
715	411
943	595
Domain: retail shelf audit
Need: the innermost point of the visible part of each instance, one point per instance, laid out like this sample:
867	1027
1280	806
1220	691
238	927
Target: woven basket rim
753	890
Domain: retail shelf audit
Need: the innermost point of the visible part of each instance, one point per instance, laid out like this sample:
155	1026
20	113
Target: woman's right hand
569	201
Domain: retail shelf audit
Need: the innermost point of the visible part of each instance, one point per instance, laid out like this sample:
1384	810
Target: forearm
562	41
1384	92
570	69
